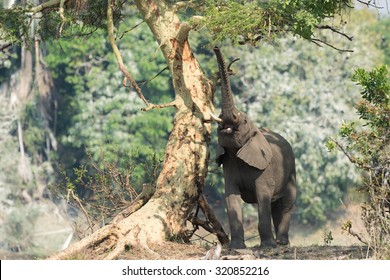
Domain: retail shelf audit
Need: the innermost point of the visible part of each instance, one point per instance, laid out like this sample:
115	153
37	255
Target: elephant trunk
230	115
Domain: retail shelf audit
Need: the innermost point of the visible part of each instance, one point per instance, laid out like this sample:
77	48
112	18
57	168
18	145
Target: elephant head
236	133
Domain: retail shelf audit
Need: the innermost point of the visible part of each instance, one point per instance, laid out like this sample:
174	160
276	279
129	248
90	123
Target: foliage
251	21
13	24
368	148
79	18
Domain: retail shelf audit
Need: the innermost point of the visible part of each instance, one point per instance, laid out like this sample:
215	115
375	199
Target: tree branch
46	5
351	159
318	42
154	77
118	56
4	47
132	28
212	219
336	31
160	106
368	4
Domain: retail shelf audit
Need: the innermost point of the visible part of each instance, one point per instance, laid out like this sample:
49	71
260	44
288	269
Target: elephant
258	167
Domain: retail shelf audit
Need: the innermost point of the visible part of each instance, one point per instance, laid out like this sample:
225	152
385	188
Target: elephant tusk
215	118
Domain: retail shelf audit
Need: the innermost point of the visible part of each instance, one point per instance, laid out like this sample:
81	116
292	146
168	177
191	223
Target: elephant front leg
234	209
265	226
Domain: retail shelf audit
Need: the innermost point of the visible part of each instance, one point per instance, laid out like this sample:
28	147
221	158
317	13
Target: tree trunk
186	156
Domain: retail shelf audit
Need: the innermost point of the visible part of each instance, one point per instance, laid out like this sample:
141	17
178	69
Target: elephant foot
237	245
271	243
283	242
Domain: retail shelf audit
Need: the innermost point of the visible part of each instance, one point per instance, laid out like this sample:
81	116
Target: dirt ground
170	250
177	251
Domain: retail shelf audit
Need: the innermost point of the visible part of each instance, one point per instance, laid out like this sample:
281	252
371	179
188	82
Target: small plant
347	227
328	237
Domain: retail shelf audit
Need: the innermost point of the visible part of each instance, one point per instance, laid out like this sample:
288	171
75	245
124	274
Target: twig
348	227
318	42
351	159
80	204
62	16
154	77
336	31
118	56
131	29
369	4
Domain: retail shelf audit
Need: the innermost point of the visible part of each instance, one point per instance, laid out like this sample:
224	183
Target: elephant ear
219	155
256	152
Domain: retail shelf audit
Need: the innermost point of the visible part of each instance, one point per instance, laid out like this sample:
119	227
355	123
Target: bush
368	148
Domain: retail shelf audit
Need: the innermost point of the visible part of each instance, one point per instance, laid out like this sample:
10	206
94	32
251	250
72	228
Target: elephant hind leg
278	218
281	213
276	214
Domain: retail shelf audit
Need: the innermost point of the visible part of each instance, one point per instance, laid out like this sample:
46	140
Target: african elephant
259	167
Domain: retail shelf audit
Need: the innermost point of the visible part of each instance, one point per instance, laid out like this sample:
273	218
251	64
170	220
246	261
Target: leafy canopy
251	21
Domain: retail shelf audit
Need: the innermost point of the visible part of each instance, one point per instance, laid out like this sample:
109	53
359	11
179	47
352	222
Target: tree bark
185	164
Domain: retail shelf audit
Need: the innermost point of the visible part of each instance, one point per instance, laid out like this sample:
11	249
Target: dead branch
118	56
216	227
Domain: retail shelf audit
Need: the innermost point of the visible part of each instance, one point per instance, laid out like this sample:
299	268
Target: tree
180	183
